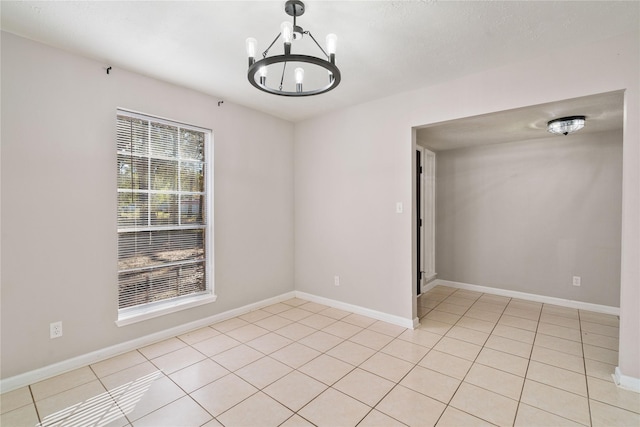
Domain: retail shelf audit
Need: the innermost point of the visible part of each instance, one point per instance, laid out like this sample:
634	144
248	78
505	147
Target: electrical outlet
55	330
576	280
336	280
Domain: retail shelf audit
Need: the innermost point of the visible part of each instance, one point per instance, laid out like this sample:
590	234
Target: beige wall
353	165
529	215
59	201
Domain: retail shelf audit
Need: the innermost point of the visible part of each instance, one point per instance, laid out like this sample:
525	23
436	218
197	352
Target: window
164	216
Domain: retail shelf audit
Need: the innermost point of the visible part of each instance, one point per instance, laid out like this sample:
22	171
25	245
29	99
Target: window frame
151	310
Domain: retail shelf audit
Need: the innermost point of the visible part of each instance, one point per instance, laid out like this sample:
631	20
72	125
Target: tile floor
476	360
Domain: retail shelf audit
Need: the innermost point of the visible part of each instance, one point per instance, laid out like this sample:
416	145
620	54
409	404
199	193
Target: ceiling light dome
566	125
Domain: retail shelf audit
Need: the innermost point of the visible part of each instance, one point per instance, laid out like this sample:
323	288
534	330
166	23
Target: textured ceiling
384	47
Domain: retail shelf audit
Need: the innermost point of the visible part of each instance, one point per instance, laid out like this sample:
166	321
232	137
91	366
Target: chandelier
566	125
322	74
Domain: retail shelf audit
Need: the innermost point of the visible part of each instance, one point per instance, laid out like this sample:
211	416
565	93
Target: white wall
352	166
59	246
527	216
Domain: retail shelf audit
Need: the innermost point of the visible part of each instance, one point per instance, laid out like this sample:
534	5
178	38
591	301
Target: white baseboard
626	382
531	297
378	315
31	377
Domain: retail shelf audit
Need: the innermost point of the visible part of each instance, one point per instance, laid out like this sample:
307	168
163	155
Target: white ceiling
384	47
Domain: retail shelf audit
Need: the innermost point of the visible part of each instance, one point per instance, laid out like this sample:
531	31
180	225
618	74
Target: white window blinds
163	214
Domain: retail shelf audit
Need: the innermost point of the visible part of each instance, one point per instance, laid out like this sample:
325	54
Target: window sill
135	315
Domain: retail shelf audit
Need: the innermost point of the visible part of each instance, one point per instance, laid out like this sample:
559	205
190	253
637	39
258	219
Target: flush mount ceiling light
322	74
566	125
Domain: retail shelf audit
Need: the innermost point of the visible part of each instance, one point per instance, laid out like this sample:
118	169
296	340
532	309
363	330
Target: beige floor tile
237	357
600	354
334	313
295	314
273	323
405	350
198	375
604	341
485	404
490	307
514	333
518	322
560	311
15	399
257	410
495	380
269	343
420	337
476	324
364	386
313	307
146	395
60	383
212	423
601	318
255	315
558	377
448	364
215	345
461	301
495	299
371	339
597	328
321	341
295	331
529	416
18	417
603	415
453	417
445	313
359	320
510	346
276	308
468	335
295	302
342	329
223	394
333	408
386	366
559	359
263	372
525	313
351	352
176	360
487	316
230	324
556	401
386	328
559	344
296	421
599	370
431	383
567	322
326	369
295	390
607	392
433	326
560	332
317	321
118	363
199	335
295	355
183	412
410	407
503	361
458	348
378	419
89	400
247	333
163	347
131	375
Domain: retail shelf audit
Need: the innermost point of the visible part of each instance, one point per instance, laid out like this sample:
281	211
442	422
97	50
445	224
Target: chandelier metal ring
332	68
